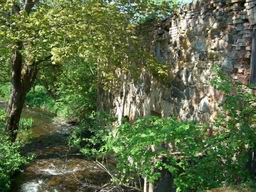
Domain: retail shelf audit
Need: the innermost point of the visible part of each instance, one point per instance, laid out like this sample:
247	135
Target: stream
56	167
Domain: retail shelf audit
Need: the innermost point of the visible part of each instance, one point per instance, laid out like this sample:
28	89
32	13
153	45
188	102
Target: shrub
184	149
10	161
92	134
10	158
38	97
152	144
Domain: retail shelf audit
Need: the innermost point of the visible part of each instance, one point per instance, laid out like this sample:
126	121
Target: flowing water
56	167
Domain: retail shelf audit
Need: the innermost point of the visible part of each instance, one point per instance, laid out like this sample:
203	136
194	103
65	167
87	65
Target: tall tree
35	33
23	72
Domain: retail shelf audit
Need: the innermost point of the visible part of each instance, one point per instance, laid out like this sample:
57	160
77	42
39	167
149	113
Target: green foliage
93	134
94	30
152	144
10	161
5	91
98	32
72	93
38	97
76	89
10	158
236	124
25	132
196	161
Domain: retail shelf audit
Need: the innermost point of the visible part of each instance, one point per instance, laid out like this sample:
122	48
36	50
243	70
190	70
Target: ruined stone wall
198	36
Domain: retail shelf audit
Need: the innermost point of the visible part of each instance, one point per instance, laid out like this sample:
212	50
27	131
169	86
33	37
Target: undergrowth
10	157
197	160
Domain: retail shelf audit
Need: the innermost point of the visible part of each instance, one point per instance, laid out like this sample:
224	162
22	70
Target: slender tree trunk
145	188
148	187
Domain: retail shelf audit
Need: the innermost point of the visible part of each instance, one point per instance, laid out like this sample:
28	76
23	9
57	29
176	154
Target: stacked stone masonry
200	35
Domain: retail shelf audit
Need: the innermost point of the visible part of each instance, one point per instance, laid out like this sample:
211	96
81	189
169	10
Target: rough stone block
248	48
252	15
236	1
250	4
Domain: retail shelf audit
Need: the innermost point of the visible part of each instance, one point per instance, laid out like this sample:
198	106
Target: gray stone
252	15
204	105
228	64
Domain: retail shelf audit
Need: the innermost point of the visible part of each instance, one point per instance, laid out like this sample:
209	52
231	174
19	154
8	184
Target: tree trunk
23	77
15	107
148	187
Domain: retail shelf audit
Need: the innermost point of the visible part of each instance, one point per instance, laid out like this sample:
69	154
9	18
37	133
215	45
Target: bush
10	158
184	149
10	161
38	97
92	134
196	161
152	144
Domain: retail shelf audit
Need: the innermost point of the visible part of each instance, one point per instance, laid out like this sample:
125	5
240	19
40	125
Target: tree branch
29	4
43	60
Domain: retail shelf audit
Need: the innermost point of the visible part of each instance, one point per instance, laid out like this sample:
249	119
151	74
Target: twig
105	169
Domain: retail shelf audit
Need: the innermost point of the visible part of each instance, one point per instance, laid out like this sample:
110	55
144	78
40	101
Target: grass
5	91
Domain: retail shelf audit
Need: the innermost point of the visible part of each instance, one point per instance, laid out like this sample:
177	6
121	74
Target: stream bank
56	166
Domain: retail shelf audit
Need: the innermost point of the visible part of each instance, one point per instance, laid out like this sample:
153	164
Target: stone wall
198	36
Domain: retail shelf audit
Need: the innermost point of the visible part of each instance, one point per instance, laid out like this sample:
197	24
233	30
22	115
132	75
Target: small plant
25	133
